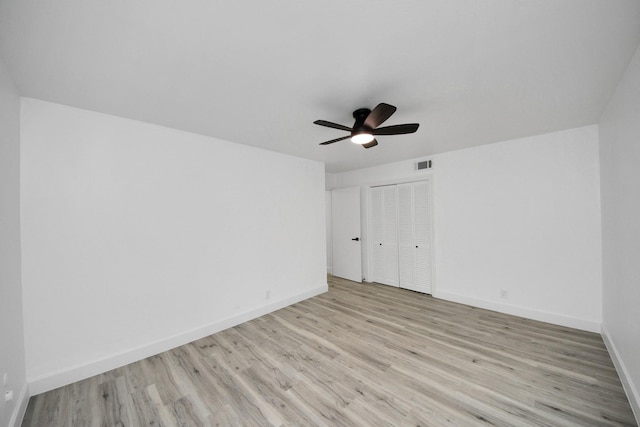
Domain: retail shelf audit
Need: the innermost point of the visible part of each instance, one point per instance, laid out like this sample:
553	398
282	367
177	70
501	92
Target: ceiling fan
365	129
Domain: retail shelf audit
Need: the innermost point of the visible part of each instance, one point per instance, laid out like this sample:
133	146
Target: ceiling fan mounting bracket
361	113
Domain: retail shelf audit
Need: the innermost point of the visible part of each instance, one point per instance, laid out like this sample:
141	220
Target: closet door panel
377	232
384	235
406	261
423	236
390	235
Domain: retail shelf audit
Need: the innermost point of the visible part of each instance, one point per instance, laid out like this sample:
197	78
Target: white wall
138	238
11	333
620	175
521	215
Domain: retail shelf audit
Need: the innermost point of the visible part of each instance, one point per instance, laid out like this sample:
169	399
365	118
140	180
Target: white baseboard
63	377
21	407
627	383
543	316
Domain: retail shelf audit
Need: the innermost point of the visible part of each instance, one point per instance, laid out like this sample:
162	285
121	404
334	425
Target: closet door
414	236
423	236
406	237
384	235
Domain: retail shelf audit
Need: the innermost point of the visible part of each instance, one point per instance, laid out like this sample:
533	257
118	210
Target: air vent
427	164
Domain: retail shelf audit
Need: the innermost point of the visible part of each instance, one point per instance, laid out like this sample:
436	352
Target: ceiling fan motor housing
361	115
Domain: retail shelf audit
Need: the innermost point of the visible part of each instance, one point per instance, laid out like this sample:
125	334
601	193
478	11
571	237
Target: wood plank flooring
359	355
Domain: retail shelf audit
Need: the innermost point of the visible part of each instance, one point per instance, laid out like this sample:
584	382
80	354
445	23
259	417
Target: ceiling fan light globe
362	138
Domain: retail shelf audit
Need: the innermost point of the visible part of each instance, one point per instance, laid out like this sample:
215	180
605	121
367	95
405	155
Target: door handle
357	239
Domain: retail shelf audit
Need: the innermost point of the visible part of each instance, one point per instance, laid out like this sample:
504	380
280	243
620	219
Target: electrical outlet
5	379
504	294
8	395
267	294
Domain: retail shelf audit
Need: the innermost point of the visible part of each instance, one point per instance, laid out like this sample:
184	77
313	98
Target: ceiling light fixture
362	138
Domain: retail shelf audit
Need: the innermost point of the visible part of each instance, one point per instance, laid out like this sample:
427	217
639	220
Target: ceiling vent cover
427	164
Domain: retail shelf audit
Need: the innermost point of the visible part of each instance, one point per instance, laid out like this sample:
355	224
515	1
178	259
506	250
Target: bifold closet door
414	236
384	235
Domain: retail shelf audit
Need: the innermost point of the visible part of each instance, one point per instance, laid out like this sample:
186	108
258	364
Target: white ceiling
260	72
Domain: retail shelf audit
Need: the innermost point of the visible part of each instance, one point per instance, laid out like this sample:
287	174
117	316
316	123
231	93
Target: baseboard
627	383
556	319
63	377
21	407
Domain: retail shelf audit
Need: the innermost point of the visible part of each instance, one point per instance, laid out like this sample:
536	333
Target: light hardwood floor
359	355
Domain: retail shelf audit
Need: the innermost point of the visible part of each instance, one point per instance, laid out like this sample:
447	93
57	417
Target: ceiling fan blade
332	125
370	144
335	140
379	114
397	129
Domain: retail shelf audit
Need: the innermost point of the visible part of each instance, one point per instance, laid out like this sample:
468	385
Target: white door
414	236
406	237
345	216
384	238
423	236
